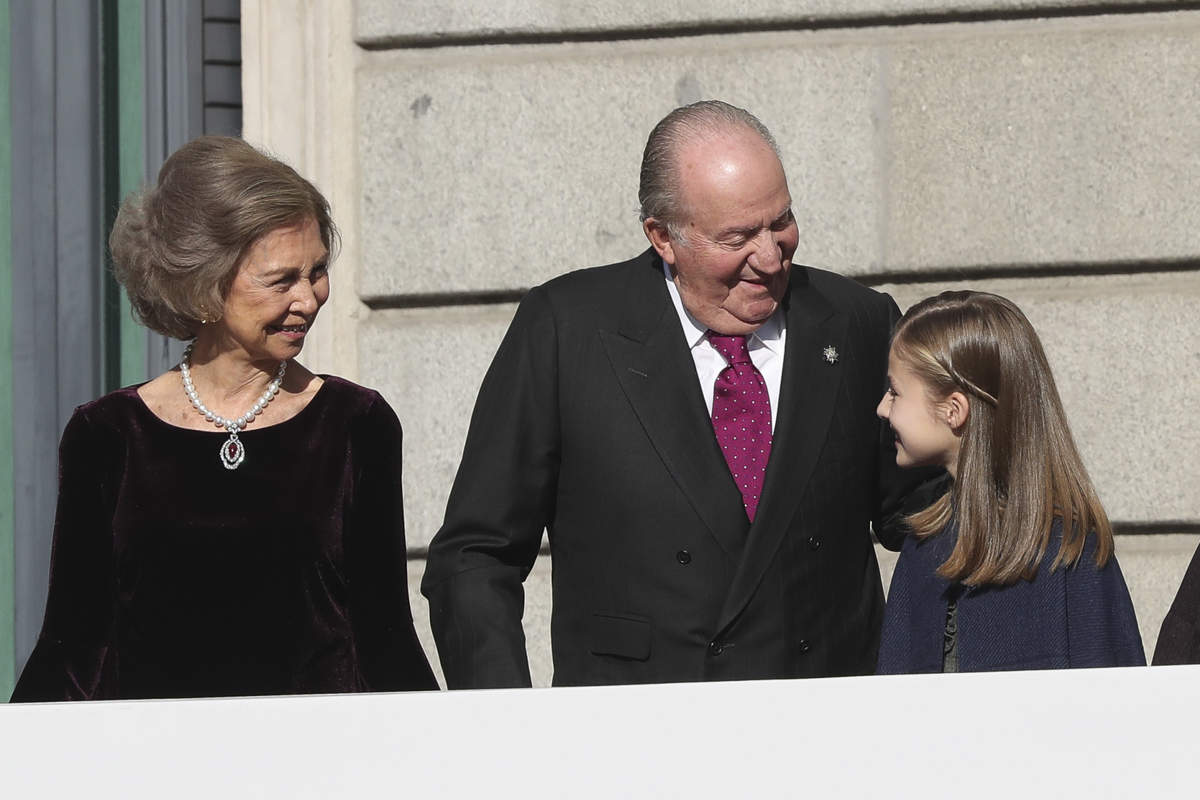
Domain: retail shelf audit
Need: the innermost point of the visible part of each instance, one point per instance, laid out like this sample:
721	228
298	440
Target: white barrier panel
1084	733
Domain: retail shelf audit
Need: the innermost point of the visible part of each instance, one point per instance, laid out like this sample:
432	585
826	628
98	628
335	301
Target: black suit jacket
590	423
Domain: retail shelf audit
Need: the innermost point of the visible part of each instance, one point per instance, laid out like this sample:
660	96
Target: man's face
732	263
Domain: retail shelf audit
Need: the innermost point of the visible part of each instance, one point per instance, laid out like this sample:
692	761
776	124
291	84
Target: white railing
1085	733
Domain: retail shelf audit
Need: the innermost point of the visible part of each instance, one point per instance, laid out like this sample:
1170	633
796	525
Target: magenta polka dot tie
742	418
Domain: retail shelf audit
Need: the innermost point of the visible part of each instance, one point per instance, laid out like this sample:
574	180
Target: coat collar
812	375
649	356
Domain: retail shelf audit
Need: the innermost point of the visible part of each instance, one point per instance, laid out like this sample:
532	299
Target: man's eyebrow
744	231
750	230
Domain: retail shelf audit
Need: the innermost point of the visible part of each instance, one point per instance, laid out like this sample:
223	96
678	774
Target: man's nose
766	257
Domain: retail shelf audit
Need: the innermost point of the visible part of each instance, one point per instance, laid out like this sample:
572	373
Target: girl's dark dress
1074	617
172	576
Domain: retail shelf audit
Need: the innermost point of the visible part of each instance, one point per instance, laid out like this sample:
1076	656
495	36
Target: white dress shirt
765	344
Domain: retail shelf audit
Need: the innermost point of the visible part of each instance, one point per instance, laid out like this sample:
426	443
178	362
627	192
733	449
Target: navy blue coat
1076	617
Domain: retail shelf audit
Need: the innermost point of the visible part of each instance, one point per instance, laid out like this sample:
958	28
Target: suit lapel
807	392
651	362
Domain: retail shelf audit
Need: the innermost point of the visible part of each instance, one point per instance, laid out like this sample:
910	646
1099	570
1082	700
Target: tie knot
733	348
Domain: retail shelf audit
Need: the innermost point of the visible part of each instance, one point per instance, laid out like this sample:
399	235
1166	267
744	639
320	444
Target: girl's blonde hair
1018	467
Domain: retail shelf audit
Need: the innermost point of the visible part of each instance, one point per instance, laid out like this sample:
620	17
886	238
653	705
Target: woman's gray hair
658	191
177	245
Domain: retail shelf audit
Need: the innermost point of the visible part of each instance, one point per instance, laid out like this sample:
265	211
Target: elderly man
696	430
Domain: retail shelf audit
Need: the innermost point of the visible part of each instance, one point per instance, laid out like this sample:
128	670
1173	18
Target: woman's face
280	285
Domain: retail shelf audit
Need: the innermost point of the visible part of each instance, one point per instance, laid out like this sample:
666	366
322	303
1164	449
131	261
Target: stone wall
1048	151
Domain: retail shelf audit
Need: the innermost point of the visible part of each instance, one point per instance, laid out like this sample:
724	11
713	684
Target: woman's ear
957	408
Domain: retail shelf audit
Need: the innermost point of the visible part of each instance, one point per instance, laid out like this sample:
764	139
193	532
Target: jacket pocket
622	635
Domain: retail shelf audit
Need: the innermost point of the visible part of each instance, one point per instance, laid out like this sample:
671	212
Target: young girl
1012	567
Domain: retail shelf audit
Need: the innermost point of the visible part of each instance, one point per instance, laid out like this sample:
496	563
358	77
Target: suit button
804	645
814	543
683	557
715	649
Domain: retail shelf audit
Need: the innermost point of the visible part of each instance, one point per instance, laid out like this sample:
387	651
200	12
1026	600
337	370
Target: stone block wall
1046	150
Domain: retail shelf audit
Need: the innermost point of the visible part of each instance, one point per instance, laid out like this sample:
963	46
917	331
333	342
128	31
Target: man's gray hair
658	191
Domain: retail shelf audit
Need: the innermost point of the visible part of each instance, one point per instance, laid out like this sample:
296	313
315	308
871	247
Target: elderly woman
233	526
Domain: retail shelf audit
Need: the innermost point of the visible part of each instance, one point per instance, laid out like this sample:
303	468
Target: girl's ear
957	408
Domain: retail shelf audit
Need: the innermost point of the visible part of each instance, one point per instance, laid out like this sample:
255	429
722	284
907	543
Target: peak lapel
807	393
650	360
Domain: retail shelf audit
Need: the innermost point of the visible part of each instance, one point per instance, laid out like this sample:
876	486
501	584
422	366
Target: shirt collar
768	335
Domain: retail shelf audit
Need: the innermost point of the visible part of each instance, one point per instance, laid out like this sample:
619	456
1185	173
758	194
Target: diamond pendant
233	453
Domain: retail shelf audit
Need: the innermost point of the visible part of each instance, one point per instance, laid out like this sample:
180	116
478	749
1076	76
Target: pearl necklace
232	452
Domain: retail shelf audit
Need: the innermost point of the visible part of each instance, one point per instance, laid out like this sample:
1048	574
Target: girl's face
924	436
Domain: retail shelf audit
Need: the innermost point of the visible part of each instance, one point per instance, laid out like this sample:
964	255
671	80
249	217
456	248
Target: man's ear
660	239
957	408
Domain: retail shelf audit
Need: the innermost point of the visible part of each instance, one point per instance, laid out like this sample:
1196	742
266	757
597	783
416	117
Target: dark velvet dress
172	576
1079	616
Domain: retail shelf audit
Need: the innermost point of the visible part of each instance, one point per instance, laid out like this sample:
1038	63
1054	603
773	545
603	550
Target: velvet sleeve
503	498
390	656
70	659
